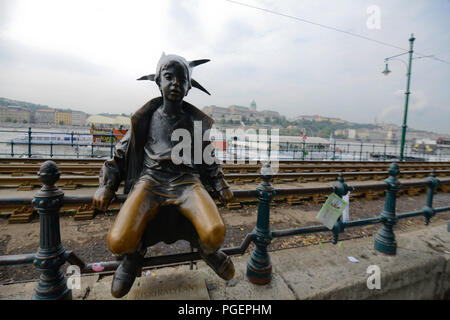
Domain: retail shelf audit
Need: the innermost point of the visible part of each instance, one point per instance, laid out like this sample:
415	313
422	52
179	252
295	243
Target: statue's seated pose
166	201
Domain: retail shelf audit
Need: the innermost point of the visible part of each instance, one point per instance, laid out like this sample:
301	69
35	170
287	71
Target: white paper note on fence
346	214
331	210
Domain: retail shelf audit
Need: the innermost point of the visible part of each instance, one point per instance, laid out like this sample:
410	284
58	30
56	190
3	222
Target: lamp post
405	113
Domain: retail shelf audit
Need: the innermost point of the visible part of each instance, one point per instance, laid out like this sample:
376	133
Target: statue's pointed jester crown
189	65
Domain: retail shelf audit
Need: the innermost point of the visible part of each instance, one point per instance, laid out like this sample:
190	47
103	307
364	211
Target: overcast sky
87	55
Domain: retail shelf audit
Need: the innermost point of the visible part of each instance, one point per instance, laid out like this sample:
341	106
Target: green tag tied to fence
331	210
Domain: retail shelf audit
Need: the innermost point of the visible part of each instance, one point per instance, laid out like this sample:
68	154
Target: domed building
236	112
253	105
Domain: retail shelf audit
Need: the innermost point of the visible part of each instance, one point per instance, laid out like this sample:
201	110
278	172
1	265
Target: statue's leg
129	226
125	235
201	210
126	273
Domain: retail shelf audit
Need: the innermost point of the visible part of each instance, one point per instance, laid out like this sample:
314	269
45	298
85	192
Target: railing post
234	146
29	142
340	189
432	183
49	258
112	144
385	238
259	267
360	152
303	153
334	151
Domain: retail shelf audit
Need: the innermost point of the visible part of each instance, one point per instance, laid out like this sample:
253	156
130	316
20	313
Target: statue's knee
215	236
118	245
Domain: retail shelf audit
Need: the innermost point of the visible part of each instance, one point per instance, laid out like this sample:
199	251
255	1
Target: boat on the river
46	138
101	136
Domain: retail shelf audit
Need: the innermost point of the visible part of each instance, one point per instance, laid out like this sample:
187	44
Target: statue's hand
226	195
102	198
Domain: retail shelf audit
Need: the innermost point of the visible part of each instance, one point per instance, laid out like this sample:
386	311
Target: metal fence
56	144
40	144
339	151
51	255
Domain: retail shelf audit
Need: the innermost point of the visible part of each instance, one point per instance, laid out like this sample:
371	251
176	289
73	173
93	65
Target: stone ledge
418	271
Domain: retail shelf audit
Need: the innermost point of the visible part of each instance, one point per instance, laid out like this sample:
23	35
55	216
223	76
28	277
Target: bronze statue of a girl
167	200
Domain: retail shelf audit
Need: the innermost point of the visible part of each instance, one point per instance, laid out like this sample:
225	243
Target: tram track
81	176
99	161
71	182
19	209
89	169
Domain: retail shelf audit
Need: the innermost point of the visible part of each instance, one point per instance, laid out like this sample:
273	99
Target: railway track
99	161
90	169
76	174
20	209
71	182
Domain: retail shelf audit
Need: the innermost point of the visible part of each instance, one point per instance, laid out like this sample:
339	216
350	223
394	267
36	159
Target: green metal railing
30	143
25	144
51	255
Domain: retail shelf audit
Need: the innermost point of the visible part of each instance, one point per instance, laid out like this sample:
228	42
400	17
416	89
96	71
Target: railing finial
49	174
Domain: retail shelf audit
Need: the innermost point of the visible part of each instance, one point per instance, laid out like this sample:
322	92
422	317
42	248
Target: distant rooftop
98	119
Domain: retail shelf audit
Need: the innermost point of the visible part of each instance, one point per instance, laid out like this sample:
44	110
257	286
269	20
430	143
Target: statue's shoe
220	263
125	274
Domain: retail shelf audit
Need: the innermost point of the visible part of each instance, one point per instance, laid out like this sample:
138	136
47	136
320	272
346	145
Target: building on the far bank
78	118
44	116
15	114
63	117
60	117
239	113
318	118
101	121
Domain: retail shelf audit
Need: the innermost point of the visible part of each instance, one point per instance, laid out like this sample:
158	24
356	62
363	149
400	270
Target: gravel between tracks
88	238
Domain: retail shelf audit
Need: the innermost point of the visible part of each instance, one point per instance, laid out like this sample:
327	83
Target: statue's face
174	82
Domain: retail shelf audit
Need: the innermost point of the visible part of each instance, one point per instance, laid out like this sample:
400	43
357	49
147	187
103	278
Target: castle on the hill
235	112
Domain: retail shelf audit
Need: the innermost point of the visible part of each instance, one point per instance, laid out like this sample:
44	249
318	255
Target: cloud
417	101
100	47
13	53
6	8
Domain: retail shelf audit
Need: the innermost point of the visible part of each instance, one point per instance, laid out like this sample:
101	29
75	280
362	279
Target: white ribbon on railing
346	213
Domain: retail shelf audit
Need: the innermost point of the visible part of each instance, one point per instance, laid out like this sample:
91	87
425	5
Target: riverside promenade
419	270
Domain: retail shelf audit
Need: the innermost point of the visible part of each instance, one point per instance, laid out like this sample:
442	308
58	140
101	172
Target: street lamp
386	72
